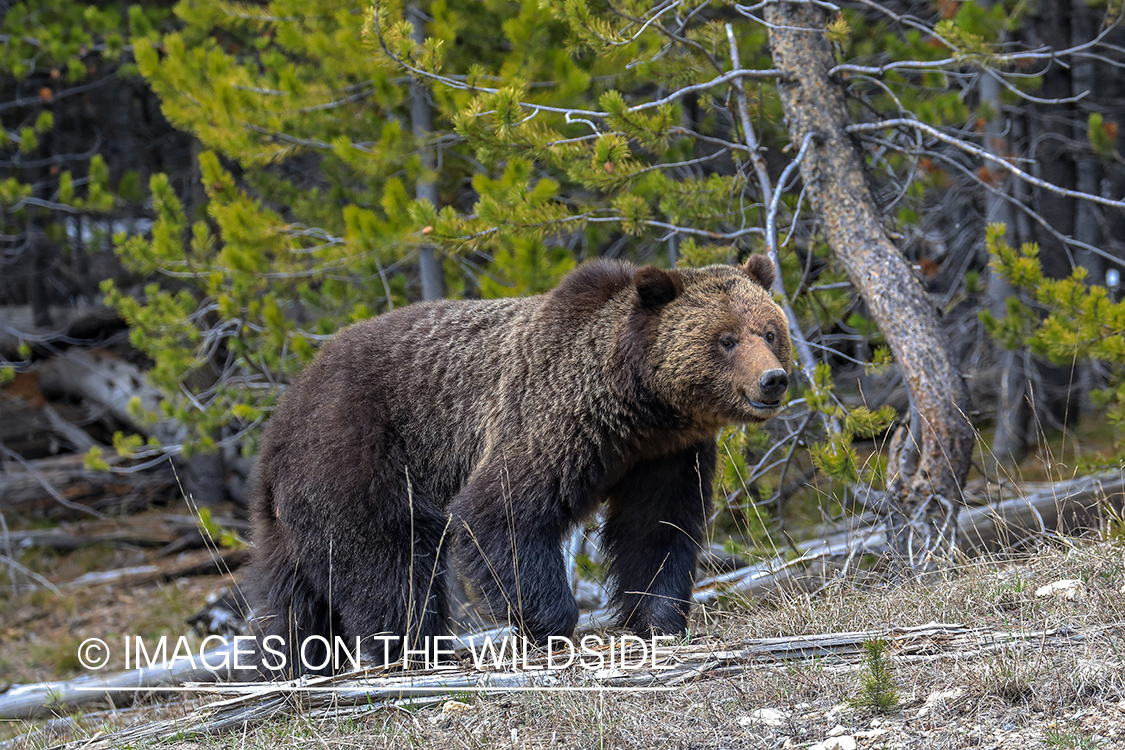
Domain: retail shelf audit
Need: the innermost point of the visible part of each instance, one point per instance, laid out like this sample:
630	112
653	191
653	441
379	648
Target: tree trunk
422	122
1051	133
1089	220
1009	445
40	248
930	459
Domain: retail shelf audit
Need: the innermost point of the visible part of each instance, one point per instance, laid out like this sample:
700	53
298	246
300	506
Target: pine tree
1063	320
318	188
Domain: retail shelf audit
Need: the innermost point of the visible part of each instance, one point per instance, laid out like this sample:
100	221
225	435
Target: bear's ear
760	269
657	287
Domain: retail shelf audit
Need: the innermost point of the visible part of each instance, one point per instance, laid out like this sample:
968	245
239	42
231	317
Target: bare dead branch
980	153
805	358
1022	206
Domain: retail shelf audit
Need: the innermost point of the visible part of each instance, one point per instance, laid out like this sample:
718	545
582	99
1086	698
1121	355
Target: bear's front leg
653	534
508	539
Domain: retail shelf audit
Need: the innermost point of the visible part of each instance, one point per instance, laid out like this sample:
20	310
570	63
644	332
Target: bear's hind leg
289	611
389	582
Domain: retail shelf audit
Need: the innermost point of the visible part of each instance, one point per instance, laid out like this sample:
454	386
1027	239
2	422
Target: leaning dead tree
931	453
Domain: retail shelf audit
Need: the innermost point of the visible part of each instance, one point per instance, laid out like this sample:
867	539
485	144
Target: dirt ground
41	631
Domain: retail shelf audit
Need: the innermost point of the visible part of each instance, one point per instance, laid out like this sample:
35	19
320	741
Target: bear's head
716	344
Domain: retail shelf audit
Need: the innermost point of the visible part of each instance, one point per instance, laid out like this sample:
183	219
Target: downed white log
1067	507
183	565
101	377
44	699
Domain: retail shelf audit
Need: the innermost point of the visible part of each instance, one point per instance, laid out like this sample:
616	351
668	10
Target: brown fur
491	428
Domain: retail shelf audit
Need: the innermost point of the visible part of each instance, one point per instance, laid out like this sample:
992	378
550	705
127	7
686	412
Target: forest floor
1067	691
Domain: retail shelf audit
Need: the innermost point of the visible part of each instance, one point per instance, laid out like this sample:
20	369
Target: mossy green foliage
836	456
217	535
1064	320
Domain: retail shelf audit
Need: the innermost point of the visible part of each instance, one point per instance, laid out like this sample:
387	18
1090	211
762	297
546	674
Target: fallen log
76	438
1065	508
35	487
150	530
73	324
46	699
101	377
1069	507
195	563
61	541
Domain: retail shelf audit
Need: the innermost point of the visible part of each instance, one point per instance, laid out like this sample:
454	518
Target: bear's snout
773	383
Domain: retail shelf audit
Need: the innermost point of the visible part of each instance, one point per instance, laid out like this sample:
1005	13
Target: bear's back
430	380
419	376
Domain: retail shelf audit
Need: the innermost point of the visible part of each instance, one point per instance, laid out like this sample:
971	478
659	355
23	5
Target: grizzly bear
478	433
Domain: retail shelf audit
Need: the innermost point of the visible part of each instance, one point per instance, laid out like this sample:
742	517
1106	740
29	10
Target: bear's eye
727	341
769	337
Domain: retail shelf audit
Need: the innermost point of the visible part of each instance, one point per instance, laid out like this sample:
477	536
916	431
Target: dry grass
1024	696
40	631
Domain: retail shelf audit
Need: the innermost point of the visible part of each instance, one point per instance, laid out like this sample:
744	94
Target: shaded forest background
195	195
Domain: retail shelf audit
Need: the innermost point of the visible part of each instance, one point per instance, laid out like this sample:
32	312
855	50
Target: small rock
939	696
1069	588
845	742
452	708
770	717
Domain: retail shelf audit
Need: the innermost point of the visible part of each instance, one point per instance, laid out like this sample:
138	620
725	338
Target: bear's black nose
773	383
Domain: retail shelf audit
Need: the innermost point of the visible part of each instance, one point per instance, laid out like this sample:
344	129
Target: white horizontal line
436	689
